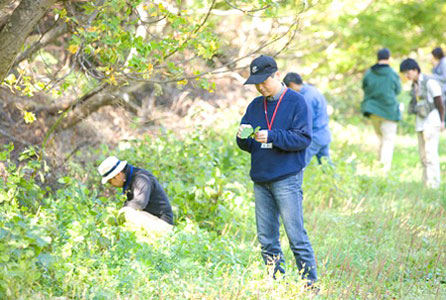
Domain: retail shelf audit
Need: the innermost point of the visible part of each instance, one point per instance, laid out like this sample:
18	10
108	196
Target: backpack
421	106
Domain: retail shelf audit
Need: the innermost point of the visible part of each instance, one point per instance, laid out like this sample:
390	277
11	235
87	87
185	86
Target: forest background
160	83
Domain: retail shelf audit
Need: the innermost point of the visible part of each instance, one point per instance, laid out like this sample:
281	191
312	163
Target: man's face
434	60
295	86
411	75
268	87
118	180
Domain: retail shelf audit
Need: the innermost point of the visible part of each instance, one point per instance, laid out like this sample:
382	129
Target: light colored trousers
147	221
428	149
386	131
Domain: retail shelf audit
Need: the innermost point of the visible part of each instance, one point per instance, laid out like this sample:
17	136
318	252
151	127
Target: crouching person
147	204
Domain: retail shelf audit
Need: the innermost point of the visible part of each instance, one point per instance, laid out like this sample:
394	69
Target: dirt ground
181	113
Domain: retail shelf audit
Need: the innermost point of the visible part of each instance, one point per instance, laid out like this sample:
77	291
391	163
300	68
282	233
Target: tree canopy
81	55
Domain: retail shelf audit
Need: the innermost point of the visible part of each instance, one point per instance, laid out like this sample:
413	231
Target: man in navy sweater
277	162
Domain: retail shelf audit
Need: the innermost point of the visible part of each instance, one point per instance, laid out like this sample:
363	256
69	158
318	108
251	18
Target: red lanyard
275	110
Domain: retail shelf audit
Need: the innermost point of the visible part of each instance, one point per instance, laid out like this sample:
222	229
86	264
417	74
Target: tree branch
14	138
191	34
28	103
214	71
47	38
246	11
83	111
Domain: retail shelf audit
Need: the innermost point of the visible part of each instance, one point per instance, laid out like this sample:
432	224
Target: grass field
375	235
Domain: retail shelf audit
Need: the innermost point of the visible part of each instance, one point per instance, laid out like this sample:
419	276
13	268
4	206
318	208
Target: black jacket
145	193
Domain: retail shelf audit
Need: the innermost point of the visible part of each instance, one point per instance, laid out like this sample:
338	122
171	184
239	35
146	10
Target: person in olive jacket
381	85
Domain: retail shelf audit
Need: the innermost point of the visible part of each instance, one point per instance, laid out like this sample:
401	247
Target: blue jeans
283	198
318	150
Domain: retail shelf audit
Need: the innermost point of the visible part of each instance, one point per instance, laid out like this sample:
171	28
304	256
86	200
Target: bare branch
296	25
246	11
47	38
192	33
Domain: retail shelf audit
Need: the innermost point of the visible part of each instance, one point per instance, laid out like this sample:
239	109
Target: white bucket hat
110	167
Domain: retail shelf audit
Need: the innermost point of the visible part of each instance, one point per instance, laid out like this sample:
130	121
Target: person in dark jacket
381	85
277	163
147	203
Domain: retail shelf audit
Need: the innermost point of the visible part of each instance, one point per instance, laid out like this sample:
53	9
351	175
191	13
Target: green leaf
246	132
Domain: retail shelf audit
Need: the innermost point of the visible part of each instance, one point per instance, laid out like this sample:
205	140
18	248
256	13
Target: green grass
376	236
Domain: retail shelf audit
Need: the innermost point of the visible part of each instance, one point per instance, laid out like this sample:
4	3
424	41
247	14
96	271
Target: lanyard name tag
266	146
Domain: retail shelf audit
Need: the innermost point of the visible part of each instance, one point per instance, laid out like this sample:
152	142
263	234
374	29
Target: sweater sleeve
141	193
298	137
245	144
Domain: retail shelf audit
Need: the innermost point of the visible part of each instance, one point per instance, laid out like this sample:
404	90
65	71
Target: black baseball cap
260	69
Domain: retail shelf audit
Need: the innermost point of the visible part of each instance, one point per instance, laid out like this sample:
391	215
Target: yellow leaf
40	85
213	46
73	48
11	79
182	82
112	79
150	68
29	117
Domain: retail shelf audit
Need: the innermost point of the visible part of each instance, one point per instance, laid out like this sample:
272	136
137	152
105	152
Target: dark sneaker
312	288
279	272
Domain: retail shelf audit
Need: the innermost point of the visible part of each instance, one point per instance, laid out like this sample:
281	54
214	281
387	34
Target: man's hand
262	136
240	129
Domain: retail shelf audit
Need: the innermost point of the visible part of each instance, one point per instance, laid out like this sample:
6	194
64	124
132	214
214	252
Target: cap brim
257	78
115	172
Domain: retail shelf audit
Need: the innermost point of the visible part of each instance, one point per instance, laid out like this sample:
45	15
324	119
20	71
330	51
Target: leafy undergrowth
376	236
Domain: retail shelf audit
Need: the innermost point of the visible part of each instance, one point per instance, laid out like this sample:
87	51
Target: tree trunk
16	30
6	9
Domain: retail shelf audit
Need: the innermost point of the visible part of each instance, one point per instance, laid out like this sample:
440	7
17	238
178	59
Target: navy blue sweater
290	135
